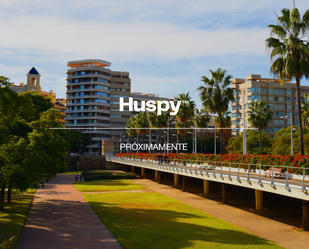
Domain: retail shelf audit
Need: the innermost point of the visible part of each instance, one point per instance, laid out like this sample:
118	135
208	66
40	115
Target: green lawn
152	220
72	172
106	185
12	219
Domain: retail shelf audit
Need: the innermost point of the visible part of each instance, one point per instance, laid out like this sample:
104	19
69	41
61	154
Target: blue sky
165	45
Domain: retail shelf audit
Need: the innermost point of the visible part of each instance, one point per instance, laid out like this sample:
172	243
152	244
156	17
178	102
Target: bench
277	172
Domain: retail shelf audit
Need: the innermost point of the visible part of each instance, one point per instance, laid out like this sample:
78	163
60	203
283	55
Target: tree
235	144
259	117
227	123
77	140
185	112
141	121
4	81
20	115
130	127
305	110
289	52
158	121
216	95
202	120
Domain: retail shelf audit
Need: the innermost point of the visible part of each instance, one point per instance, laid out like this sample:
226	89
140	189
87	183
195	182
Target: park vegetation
30	152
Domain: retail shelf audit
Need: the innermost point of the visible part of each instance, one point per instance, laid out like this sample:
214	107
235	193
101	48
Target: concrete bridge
286	184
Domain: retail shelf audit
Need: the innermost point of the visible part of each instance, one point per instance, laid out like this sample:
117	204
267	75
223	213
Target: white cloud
131	40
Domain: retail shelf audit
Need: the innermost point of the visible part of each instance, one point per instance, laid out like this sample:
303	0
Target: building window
276	115
254	97
276	122
249	90
281	122
288	91
264	90
276	91
271	106
281	106
270	90
288	99
271	129
277	129
265	130
280	98
276	98
270	98
256	89
296	122
288	107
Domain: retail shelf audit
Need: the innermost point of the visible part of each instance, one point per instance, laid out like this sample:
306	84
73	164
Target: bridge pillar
183	183
143	173
156	175
176	180
206	187
258	199
224	199
132	169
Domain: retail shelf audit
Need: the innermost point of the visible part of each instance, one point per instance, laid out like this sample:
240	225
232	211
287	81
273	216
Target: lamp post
192	141
244	123
290	118
215	149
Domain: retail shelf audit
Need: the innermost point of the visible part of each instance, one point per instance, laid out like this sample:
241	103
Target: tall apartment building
88	100
281	98
120	86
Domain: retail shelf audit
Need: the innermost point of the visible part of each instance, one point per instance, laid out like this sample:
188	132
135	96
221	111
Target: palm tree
158	121
259	116
289	52
202	120
216	95
186	111
130	127
141	121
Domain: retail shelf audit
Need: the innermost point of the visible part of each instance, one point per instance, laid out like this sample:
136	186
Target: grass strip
13	218
107	185
152	220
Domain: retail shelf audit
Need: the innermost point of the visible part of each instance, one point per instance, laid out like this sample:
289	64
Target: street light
287	117
244	123
192	140
176	135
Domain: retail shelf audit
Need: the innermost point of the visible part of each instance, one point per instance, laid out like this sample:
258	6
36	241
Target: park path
60	217
276	231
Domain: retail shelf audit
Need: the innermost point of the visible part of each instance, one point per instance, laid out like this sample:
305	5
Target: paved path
61	218
280	233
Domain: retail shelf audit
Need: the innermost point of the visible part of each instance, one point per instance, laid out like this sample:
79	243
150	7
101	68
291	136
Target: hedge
297	161
93	177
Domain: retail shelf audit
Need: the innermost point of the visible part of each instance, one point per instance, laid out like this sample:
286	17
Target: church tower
33	80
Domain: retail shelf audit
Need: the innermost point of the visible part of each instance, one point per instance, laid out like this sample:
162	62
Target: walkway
60	217
280	233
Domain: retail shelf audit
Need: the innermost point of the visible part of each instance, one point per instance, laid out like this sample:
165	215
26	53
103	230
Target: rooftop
87	63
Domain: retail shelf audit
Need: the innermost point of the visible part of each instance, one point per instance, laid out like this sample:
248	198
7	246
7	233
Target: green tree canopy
216	94
235	145
259	117
289	52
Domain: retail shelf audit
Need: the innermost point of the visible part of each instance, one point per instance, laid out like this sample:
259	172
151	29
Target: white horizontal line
124	128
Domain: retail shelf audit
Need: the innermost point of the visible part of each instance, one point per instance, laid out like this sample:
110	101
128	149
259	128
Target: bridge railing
239	171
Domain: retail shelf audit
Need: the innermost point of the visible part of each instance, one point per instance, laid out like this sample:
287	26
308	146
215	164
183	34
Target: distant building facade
281	98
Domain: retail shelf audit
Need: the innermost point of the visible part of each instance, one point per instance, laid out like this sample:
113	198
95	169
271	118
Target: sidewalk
280	233
60	217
